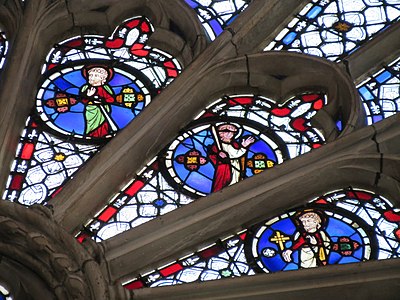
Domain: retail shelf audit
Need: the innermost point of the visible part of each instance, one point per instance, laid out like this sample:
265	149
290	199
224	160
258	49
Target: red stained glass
134	188
211	251
145	27
27	151
321	201
310	97
299	124
16	182
134	285
243	236
281	112
316	146
132	23
171	269
391	216
318	104
56	192
75	43
82	237
397	233
106	215
115	44
360	195
242	101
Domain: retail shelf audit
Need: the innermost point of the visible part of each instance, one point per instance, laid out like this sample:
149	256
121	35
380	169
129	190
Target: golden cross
279	238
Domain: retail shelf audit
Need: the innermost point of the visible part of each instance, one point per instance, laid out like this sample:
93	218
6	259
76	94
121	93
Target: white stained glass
32	194
365	18
112	229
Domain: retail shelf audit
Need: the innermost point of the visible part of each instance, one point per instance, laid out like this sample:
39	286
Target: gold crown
127	90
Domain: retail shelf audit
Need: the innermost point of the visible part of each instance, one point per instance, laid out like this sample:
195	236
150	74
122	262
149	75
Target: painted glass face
309	238
215	15
91	101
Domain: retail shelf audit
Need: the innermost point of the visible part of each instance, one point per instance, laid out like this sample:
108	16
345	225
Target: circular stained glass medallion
213	155
308	238
91	101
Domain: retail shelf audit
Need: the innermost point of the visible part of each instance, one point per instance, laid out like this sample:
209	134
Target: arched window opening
381	93
234	138
334	29
344	226
92	87
216	15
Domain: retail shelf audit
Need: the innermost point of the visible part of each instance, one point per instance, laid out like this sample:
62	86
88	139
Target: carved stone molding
30	239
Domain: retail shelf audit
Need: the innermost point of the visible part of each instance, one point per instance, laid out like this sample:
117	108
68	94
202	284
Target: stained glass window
333	29
340	227
91	88
233	138
381	93
4	293
3	48
215	15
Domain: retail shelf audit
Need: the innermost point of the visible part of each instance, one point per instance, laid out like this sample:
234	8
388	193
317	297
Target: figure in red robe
226	154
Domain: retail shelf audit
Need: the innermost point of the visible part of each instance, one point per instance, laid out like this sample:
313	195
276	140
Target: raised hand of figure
91	91
287	255
248	141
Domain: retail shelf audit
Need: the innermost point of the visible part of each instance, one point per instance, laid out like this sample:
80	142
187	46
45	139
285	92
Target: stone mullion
368	280
139	142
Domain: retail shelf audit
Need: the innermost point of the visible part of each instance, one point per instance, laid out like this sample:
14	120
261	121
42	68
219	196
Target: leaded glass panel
334	29
340	227
215	15
234	138
91	88
3	48
380	93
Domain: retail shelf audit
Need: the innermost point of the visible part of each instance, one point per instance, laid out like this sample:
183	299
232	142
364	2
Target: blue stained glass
216	27
199	182
62	84
383	77
366	93
381	93
121	115
377	118
314	12
216	15
289	38
159	203
120	80
71	122
334	29
192	3
339	125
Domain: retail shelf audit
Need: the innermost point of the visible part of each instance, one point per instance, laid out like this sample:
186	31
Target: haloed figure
96	95
227	155
312	242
